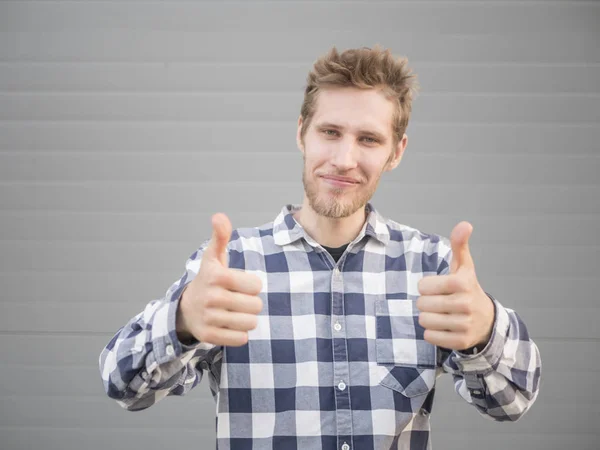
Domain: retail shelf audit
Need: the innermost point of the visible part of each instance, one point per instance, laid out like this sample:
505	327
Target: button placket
341	369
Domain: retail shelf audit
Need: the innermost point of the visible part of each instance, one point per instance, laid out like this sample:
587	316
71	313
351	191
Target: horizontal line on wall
57	333
348	31
366	2
59	212
306	64
172	428
273	184
287	122
228	92
287	153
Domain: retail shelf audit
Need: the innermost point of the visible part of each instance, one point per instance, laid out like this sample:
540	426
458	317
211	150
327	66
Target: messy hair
363	68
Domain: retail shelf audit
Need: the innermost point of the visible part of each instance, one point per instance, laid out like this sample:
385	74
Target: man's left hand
454	309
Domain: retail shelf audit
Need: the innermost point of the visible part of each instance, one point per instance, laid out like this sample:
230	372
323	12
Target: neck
327	231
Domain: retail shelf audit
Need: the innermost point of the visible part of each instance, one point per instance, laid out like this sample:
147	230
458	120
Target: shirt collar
287	230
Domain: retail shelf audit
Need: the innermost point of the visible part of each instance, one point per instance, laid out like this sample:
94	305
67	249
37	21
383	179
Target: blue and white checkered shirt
338	359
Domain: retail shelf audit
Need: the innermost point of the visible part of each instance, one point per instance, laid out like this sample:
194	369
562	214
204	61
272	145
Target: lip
338	182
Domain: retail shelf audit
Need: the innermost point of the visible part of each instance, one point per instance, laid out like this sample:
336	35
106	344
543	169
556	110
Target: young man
327	328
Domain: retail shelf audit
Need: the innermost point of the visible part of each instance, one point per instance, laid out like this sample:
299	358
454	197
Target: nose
344	156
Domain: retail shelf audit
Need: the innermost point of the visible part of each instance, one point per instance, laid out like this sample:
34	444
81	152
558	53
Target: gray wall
125	125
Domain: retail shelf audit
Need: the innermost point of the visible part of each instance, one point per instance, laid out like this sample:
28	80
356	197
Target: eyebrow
363	131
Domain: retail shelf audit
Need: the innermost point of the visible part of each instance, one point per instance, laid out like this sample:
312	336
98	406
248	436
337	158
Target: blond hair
363	68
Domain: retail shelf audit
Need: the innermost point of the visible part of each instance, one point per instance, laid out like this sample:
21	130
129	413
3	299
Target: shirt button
477	392
336	271
170	350
342	386
345	446
337	326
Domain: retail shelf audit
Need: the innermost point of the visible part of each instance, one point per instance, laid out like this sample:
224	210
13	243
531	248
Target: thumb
459	239
217	248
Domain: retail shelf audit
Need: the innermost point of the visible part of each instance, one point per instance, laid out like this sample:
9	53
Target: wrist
183	333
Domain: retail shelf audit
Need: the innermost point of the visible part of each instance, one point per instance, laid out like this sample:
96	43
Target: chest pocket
410	360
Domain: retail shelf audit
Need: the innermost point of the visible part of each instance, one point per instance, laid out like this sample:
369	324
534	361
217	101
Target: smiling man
328	327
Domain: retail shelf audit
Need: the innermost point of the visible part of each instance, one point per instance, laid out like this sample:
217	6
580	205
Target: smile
338	183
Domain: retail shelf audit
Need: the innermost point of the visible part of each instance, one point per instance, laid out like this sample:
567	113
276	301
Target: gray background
125	125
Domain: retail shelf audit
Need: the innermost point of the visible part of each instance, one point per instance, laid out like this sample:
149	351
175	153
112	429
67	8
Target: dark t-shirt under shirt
336	252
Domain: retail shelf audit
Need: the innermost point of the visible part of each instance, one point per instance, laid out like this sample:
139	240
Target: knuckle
211	299
427	335
253	322
220	278
206	335
258	305
464	325
419	303
457	284
464	284
467	307
240	339
256	284
209	316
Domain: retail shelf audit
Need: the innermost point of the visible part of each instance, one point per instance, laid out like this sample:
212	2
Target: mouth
339	183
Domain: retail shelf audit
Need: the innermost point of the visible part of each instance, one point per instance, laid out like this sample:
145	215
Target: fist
220	305
454	309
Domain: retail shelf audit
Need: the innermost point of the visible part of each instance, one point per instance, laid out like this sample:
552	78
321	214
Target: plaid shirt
338	359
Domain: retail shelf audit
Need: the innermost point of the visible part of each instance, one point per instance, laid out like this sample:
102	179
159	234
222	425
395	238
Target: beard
336	203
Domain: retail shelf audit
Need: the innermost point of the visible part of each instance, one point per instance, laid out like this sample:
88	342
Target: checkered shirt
338	359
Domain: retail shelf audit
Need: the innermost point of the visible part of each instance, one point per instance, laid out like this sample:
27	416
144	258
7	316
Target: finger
446	339
237	280
443	284
442	304
222	336
217	248
221	318
447	322
235	301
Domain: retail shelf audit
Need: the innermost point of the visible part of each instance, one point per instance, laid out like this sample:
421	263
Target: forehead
355	108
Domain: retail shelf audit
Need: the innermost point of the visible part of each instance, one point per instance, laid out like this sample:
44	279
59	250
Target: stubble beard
335	205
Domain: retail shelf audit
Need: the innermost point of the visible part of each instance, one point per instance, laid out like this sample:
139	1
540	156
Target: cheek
370	171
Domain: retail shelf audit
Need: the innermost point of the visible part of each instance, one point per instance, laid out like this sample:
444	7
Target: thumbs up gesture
454	309
220	305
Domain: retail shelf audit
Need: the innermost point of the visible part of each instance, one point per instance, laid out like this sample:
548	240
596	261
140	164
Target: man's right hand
220	305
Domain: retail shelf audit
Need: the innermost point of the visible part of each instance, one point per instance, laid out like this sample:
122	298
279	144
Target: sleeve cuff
488	358
167	346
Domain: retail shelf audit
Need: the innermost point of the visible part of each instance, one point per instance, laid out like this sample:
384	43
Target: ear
397	155
298	140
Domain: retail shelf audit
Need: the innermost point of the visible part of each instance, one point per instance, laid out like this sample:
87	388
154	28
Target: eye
326	132
372	141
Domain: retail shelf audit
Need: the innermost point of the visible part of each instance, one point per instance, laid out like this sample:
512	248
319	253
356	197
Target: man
327	328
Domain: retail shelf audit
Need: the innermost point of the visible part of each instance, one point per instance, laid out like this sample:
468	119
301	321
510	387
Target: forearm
145	361
502	380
